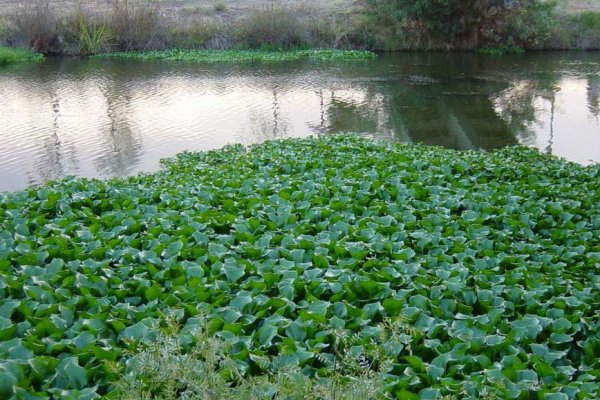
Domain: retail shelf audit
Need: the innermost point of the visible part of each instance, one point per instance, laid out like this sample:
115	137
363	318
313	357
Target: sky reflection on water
105	118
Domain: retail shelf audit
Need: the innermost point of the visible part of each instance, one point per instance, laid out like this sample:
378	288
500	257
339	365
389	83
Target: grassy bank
140	25
12	56
211	56
471	274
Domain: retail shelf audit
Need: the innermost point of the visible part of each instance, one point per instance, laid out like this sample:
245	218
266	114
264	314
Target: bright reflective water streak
103	118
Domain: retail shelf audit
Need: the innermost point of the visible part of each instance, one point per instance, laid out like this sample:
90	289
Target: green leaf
266	333
296	331
173	249
137	331
429	394
7	381
233	271
406	395
415	362
561	325
555	396
392	306
217	250
494	340
559	338
70	375
434	373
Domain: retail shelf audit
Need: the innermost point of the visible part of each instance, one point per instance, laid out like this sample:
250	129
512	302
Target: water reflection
103	118
121	148
593	95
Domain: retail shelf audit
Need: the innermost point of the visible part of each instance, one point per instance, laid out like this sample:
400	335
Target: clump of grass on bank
486	264
211	56
12	55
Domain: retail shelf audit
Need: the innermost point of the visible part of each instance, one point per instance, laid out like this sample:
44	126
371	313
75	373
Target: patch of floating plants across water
442	273
12	55
210	56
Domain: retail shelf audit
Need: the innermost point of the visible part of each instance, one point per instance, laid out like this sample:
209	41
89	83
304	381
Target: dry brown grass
577	6
151	24
233	9
239	8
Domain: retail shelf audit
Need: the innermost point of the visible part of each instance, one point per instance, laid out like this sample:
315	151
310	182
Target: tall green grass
11	56
93	37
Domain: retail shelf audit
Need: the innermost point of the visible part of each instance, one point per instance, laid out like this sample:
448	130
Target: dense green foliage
11	56
488	264
466	24
210	56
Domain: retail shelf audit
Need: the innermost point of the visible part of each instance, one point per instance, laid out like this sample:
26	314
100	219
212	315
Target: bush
219	7
460	24
581	31
135	26
531	27
192	33
272	27
35	25
343	31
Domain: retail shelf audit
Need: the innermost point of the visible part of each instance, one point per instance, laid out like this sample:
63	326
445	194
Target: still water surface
105	118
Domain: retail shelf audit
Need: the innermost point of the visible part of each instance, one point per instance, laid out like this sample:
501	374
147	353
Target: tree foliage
462	23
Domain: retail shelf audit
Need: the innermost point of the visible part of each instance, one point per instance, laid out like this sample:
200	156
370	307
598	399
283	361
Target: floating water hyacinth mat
223	56
490	261
11	56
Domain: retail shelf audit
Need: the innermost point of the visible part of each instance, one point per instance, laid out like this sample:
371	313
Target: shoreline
76	29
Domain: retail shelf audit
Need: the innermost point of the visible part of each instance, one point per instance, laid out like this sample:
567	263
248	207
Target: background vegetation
123	25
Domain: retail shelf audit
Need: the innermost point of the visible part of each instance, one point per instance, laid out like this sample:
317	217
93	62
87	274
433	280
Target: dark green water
104	118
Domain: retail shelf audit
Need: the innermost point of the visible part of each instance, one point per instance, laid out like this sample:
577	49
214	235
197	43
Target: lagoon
105	118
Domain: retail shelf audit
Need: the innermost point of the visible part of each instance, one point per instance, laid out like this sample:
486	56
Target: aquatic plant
484	266
500	51
12	55
194	364
211	56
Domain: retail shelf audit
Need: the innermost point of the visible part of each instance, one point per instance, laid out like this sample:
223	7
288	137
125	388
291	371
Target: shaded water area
105	118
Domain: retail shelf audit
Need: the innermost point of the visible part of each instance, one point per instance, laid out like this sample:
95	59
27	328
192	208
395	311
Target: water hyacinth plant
211	56
473	274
